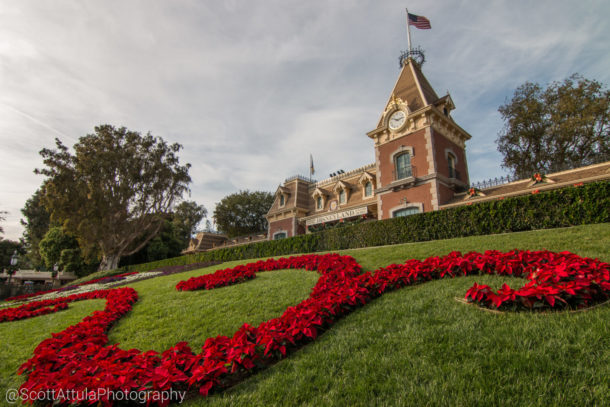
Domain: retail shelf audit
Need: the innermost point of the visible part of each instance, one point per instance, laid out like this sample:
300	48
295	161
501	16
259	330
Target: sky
251	89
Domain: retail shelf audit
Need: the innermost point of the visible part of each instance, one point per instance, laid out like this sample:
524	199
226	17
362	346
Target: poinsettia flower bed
80	358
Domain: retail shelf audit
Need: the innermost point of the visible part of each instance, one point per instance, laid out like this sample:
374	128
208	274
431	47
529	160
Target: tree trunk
109	262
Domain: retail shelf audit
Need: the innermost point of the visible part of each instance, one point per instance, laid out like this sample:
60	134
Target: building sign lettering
336	216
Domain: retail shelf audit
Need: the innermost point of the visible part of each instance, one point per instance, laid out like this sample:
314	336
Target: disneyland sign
336	216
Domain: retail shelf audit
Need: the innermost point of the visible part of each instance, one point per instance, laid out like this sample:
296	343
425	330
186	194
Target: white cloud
250	89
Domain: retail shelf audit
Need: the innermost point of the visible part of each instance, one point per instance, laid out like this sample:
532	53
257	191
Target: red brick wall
417	141
445	194
414	195
279	225
442	165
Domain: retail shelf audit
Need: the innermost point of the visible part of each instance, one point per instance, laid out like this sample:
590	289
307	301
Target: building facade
420	165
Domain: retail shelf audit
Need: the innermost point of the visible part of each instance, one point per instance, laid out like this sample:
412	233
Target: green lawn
415	346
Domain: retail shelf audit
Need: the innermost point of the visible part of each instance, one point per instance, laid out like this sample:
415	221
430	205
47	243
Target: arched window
319	202
342	196
282	200
405	212
279	235
451	162
368	189
403	166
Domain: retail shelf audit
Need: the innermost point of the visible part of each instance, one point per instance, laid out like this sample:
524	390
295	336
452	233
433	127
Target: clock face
397	119
333	205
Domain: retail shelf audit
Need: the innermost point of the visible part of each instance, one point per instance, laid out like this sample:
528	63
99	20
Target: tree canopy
114	191
187	215
36	224
243	213
53	243
565	125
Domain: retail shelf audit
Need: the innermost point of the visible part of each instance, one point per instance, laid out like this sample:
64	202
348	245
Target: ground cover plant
369	350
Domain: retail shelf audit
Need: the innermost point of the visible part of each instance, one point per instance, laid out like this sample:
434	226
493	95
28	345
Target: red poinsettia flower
79	357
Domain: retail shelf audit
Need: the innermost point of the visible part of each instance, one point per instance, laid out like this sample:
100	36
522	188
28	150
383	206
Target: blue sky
250	89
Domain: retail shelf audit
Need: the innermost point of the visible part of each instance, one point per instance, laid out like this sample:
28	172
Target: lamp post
54	273
14	263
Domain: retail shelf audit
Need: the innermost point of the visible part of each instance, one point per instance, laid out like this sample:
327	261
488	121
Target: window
282	200
451	162
279	235
319	202
403	166
405	212
368	189
342	196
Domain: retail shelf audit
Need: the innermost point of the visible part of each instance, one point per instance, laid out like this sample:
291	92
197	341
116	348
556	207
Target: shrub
563	207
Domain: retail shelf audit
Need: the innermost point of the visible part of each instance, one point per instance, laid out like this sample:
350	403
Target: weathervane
416	54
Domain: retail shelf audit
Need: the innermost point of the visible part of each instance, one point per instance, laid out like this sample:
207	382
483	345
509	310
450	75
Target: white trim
418	205
430	158
450	151
399	151
434	193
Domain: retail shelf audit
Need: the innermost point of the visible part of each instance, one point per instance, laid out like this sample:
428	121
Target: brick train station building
420	165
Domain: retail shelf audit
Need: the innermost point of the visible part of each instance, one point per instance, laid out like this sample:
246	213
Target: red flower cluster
79	358
219	278
557	280
32	309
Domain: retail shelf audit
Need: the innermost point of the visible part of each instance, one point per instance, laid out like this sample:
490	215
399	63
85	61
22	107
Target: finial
416	55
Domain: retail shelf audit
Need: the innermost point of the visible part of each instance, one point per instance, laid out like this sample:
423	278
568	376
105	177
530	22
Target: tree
563	126
7	249
243	213
186	217
36	225
53	243
114	191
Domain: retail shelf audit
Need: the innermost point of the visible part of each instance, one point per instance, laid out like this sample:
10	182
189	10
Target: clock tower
419	149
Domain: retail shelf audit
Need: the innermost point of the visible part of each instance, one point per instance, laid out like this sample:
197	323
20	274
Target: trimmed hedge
569	206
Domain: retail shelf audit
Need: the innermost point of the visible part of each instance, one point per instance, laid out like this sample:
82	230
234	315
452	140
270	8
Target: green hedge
568	206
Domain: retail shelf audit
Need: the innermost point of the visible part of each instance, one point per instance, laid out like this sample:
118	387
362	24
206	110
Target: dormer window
366	181
368	189
282	200
342	191
319	197
342	196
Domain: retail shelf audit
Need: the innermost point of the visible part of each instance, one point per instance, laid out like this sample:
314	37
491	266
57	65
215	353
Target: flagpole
408	29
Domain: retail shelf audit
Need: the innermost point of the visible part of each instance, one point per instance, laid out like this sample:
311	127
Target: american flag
418	21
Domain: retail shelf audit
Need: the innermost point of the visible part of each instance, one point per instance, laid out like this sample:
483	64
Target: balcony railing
493	182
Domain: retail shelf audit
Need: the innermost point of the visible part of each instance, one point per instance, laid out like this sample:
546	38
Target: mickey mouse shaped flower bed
80	357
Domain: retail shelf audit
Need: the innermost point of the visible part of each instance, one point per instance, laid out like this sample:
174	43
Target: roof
413	88
556	180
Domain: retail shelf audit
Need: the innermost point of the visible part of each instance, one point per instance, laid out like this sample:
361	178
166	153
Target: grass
415	346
